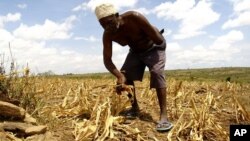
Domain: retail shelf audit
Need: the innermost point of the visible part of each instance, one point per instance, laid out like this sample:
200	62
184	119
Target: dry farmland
87	108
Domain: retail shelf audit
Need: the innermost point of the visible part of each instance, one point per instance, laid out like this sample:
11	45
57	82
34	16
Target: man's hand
119	88
120	84
124	87
121	79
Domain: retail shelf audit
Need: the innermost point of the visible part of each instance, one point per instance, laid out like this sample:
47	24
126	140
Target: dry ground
87	109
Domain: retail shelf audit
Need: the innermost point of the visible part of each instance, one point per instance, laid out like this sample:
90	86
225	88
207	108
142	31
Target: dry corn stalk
105	125
121	102
202	124
240	112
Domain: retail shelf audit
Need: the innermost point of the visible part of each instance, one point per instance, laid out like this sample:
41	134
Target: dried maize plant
145	94
241	115
102	125
201	124
227	87
179	98
178	93
21	87
121	102
75	103
174	87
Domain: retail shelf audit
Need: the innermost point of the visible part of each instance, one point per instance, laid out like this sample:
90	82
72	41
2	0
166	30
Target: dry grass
88	109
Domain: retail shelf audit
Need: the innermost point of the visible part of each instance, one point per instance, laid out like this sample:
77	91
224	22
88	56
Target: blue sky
65	37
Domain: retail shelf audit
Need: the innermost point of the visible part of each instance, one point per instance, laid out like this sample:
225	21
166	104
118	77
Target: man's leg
135	107
133	69
163	124
156	64
161	94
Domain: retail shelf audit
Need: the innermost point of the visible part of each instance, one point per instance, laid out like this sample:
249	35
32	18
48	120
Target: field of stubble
88	109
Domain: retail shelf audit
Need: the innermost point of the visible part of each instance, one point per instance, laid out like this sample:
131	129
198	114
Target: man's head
108	17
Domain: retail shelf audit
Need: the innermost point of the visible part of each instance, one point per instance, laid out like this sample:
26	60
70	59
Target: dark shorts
155	59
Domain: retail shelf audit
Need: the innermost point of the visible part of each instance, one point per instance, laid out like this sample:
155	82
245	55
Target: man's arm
107	58
150	30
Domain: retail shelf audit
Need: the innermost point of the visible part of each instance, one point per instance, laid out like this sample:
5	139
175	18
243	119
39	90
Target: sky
65	36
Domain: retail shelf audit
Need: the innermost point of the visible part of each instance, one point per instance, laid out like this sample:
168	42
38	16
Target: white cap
104	10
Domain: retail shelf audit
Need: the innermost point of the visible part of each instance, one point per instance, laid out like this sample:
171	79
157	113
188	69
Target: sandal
164	126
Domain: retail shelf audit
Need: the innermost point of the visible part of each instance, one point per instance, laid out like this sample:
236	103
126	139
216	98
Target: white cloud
241	15
5	36
9	18
29	45
190	14
93	3
173	47
117	48
49	30
219	53
83	6
176	10
223	43
89	39
143	11
22	6
231	37
241	5
194	21
242	20
119	54
42	57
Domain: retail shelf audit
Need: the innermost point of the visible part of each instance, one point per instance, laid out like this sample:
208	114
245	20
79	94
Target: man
147	48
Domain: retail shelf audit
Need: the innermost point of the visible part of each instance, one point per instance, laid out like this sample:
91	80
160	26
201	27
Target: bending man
147	48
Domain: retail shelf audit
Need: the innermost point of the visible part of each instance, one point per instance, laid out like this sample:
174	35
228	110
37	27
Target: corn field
88	109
